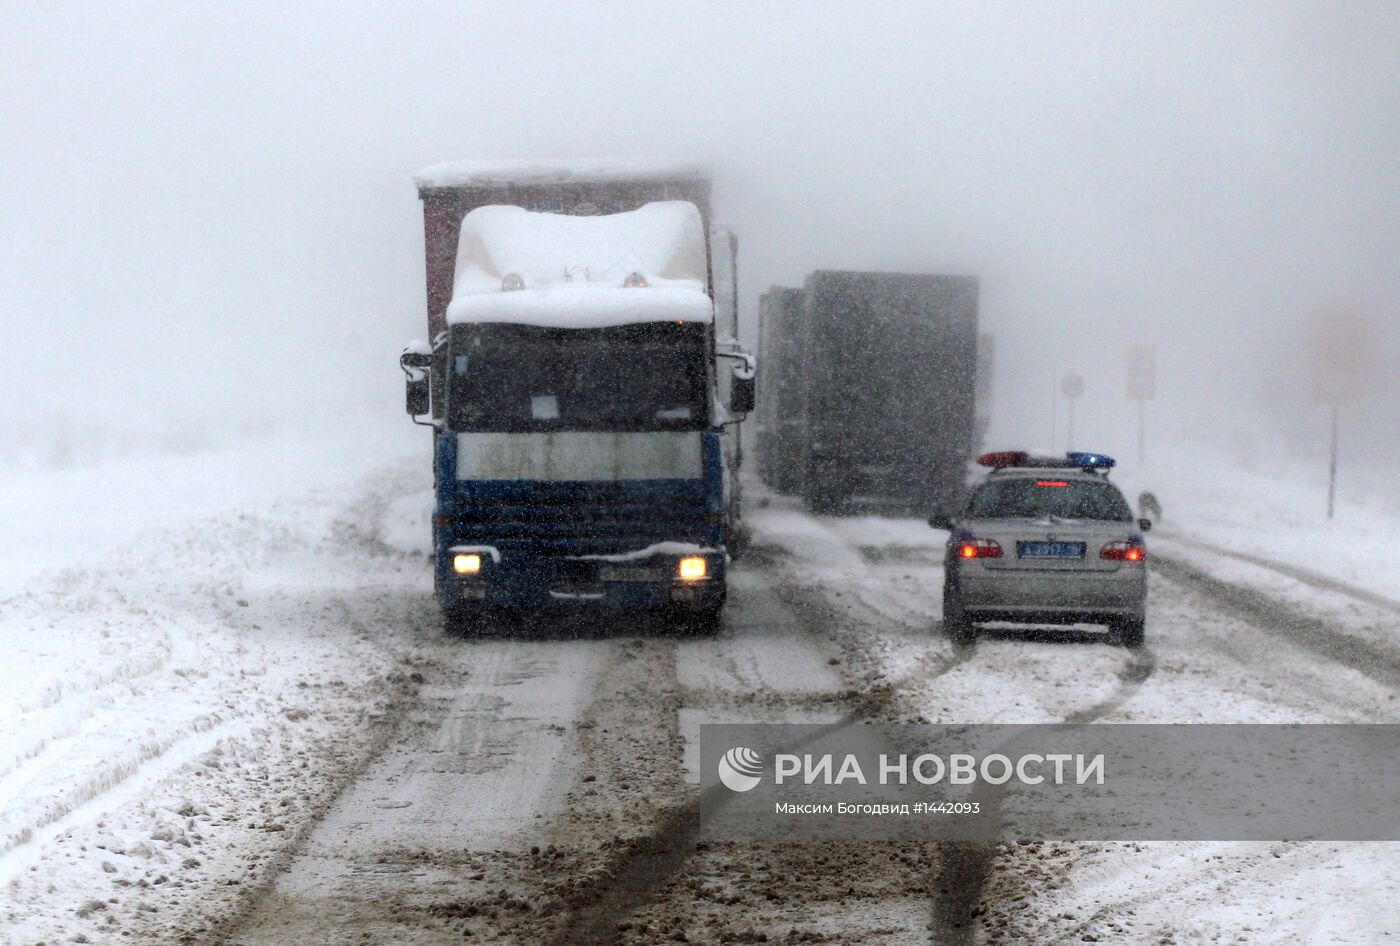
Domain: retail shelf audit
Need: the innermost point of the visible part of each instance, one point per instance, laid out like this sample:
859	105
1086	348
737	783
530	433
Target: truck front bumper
531	582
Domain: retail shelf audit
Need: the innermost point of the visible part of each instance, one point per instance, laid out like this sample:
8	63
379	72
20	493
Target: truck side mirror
741	392
416	362
418	400
941	520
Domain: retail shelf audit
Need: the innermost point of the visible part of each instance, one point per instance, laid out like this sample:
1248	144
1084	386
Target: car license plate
1049	549
628	574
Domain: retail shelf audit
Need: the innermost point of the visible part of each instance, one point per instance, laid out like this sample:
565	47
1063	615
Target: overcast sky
207	217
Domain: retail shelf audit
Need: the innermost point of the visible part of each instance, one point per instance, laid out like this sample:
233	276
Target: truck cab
580	455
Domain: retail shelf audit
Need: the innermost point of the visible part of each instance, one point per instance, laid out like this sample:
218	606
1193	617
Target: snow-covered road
242	725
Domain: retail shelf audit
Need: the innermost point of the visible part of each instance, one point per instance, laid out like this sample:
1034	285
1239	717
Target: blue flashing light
1094	461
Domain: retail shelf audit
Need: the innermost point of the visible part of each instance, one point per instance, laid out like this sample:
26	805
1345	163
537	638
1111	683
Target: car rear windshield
1047	496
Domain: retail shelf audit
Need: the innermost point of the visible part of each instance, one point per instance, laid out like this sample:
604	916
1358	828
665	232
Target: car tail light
979	548
1124	552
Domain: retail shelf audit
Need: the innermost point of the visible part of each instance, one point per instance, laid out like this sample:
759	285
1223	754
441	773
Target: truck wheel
824	502
463	623
704	623
955	623
1130	632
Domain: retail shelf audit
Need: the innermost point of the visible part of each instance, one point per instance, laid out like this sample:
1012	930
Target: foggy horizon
210	224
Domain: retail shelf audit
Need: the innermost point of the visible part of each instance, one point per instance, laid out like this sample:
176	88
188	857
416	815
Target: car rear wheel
1130	632
955	623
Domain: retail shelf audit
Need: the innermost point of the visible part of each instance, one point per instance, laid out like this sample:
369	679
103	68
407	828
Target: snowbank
208	663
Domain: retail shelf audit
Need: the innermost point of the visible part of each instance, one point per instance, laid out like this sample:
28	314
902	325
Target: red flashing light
1055	483
979	548
1133	555
1002	458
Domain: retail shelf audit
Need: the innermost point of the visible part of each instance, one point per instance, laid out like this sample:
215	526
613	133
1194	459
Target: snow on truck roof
584	307
508	173
529	268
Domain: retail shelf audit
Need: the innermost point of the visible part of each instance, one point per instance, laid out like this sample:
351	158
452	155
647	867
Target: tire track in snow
1266	614
1140	666
1291	685
960	870
965	867
51	716
50	745
1215	868
1307	576
124	672
120	729
101	789
1261	613
647	864
894	610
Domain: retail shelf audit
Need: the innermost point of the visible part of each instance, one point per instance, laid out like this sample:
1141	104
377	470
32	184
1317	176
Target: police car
1045	540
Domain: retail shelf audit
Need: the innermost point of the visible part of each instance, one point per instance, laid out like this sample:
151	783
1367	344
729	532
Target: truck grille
564	521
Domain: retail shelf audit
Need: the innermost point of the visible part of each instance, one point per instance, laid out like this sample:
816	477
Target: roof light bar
1096	461
1002	458
1081	459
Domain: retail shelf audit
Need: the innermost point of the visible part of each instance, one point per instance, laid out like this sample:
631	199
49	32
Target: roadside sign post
1332	469
1142	431
1341	349
1142	387
1073	387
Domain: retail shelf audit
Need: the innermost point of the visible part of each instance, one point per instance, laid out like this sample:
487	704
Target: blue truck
583	393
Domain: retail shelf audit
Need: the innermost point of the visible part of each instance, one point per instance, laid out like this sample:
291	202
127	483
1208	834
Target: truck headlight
691	568
466	564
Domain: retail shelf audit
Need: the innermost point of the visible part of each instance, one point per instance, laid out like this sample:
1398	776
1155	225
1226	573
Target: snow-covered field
199	651
227	714
1275	507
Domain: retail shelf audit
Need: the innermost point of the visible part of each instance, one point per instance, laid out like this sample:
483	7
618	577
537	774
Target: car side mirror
741	393
1145	525
417	399
941	520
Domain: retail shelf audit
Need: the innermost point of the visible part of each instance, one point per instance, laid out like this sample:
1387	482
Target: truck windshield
1048	496
529	378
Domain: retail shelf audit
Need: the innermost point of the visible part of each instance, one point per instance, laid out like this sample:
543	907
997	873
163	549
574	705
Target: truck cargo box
781	420
585	188
884	369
